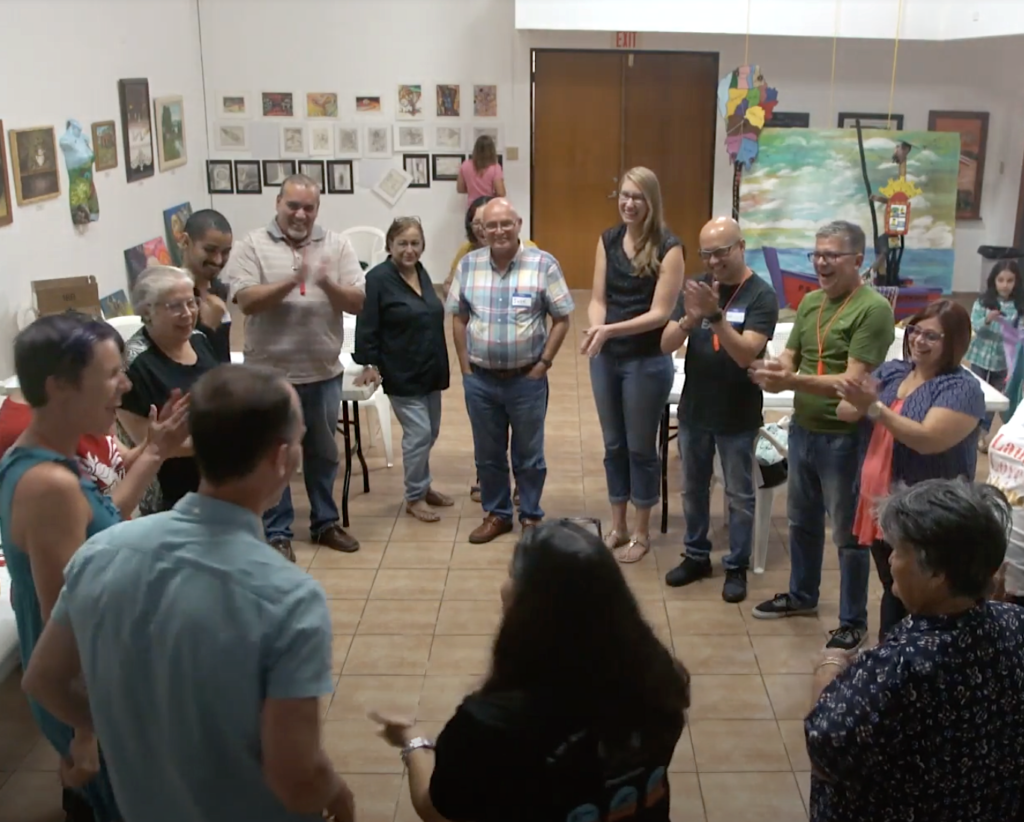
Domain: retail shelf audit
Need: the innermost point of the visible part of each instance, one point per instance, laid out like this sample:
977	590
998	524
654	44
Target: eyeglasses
925	334
415	245
504	225
181	307
830	257
630	196
718	253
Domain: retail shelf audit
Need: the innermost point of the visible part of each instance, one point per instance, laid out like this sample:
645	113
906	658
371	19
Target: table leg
359	450
348	463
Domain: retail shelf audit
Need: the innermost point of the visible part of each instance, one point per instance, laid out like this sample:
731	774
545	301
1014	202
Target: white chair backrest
126	326
896	349
369	243
782	332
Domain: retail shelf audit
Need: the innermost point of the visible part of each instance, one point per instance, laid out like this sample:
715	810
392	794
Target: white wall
71	59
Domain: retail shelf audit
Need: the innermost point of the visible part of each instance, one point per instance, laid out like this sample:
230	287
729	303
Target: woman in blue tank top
70	371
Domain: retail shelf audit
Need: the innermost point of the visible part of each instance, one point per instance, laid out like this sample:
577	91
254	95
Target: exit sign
625	39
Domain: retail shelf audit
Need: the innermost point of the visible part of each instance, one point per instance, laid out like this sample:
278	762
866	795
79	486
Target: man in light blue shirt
204	650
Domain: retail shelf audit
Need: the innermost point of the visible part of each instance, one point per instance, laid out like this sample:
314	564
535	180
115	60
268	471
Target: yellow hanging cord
832	82
746	41
895	55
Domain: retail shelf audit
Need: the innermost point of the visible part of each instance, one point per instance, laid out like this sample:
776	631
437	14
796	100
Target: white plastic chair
378	401
126	326
370	244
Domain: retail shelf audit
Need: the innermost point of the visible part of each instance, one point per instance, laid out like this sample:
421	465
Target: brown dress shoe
283	546
528	524
437	499
491	528
336	539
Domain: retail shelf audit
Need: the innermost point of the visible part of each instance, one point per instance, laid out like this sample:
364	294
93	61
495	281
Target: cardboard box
80	294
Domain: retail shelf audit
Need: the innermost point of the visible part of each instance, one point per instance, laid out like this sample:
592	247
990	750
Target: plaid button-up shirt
508	311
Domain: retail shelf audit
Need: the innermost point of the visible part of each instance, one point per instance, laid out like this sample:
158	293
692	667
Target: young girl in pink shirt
481	175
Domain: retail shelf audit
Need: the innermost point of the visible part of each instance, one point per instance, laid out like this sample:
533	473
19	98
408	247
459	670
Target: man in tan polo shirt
293	280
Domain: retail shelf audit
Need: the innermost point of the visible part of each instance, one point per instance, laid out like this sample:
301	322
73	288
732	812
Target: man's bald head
719	232
502	224
500	208
721	248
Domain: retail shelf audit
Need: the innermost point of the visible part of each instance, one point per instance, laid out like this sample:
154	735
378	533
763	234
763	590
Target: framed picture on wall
233	105
321	104
410	137
34	162
276	171
247	177
314	169
418	167
6	208
293	141
348	145
446	166
231	136
448	137
219	177
339	177
377	144
449	100
104	144
321	140
885	122
278	103
170	131
972	126
136	128
494	132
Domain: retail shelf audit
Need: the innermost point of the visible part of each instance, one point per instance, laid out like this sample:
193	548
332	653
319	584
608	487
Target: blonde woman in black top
638	275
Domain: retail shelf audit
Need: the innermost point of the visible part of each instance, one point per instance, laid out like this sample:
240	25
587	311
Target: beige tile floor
415	610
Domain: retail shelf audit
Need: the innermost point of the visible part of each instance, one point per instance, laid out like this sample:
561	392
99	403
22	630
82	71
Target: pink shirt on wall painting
480	185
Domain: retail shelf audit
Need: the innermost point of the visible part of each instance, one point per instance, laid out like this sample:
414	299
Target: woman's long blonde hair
646	262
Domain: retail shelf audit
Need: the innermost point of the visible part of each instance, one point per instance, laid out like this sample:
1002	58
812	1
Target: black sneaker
735	588
689	570
846	638
782	605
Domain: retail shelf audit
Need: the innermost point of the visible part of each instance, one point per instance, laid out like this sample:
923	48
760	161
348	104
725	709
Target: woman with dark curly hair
580	714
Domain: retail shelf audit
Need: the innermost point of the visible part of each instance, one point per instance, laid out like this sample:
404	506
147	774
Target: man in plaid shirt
500	300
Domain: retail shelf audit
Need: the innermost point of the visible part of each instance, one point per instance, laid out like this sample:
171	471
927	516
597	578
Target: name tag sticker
521	300
735	315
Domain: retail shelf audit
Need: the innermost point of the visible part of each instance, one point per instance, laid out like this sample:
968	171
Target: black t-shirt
627	295
154	375
718	394
219	337
509	758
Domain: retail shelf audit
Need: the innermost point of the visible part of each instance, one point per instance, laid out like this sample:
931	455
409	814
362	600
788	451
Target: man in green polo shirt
841	332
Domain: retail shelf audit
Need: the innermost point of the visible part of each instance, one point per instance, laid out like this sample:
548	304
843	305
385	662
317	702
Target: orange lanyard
823	337
714	337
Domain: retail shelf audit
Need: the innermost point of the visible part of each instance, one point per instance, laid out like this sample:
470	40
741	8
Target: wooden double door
597	114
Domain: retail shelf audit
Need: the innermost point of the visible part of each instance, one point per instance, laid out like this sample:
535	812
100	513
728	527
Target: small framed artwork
449	102
409	103
278	104
368	104
247	177
448	138
219	177
233	105
884	122
321	141
494	132
104	144
377	144
231	137
314	169
348	145
339	177
392	186
34	161
972	126
6	208
446	166
418	168
170	131
293	141
789	119
410	138
485	101
275	172
321	104
136	128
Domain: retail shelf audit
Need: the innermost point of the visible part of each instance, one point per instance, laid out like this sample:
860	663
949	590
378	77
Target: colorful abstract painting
140	257
174	227
746	102
805	178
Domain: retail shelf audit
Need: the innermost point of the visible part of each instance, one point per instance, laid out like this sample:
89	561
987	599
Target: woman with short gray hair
928	724
163	360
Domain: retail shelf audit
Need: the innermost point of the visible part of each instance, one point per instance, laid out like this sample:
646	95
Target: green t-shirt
864	330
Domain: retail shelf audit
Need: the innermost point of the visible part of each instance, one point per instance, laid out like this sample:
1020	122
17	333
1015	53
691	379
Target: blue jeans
697	453
495	406
420	418
320	403
823	474
997	379
630	394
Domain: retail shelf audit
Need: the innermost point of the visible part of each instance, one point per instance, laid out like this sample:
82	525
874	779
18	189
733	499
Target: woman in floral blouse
928	725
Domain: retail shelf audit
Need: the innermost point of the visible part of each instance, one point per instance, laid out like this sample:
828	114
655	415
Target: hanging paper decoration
746	102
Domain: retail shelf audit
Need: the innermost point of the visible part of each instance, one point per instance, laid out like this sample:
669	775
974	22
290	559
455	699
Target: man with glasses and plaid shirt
500	300
842	332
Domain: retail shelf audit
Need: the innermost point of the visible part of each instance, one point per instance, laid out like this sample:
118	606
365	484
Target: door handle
613	195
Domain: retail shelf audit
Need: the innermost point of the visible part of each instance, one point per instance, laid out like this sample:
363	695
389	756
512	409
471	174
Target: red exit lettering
625	39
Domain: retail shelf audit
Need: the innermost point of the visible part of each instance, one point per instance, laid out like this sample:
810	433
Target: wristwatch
546	363
715	318
874	411
415	745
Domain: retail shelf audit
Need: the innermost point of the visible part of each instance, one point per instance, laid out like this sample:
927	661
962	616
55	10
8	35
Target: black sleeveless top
628	296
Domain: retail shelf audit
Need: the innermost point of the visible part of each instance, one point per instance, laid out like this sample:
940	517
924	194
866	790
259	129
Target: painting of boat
792	286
